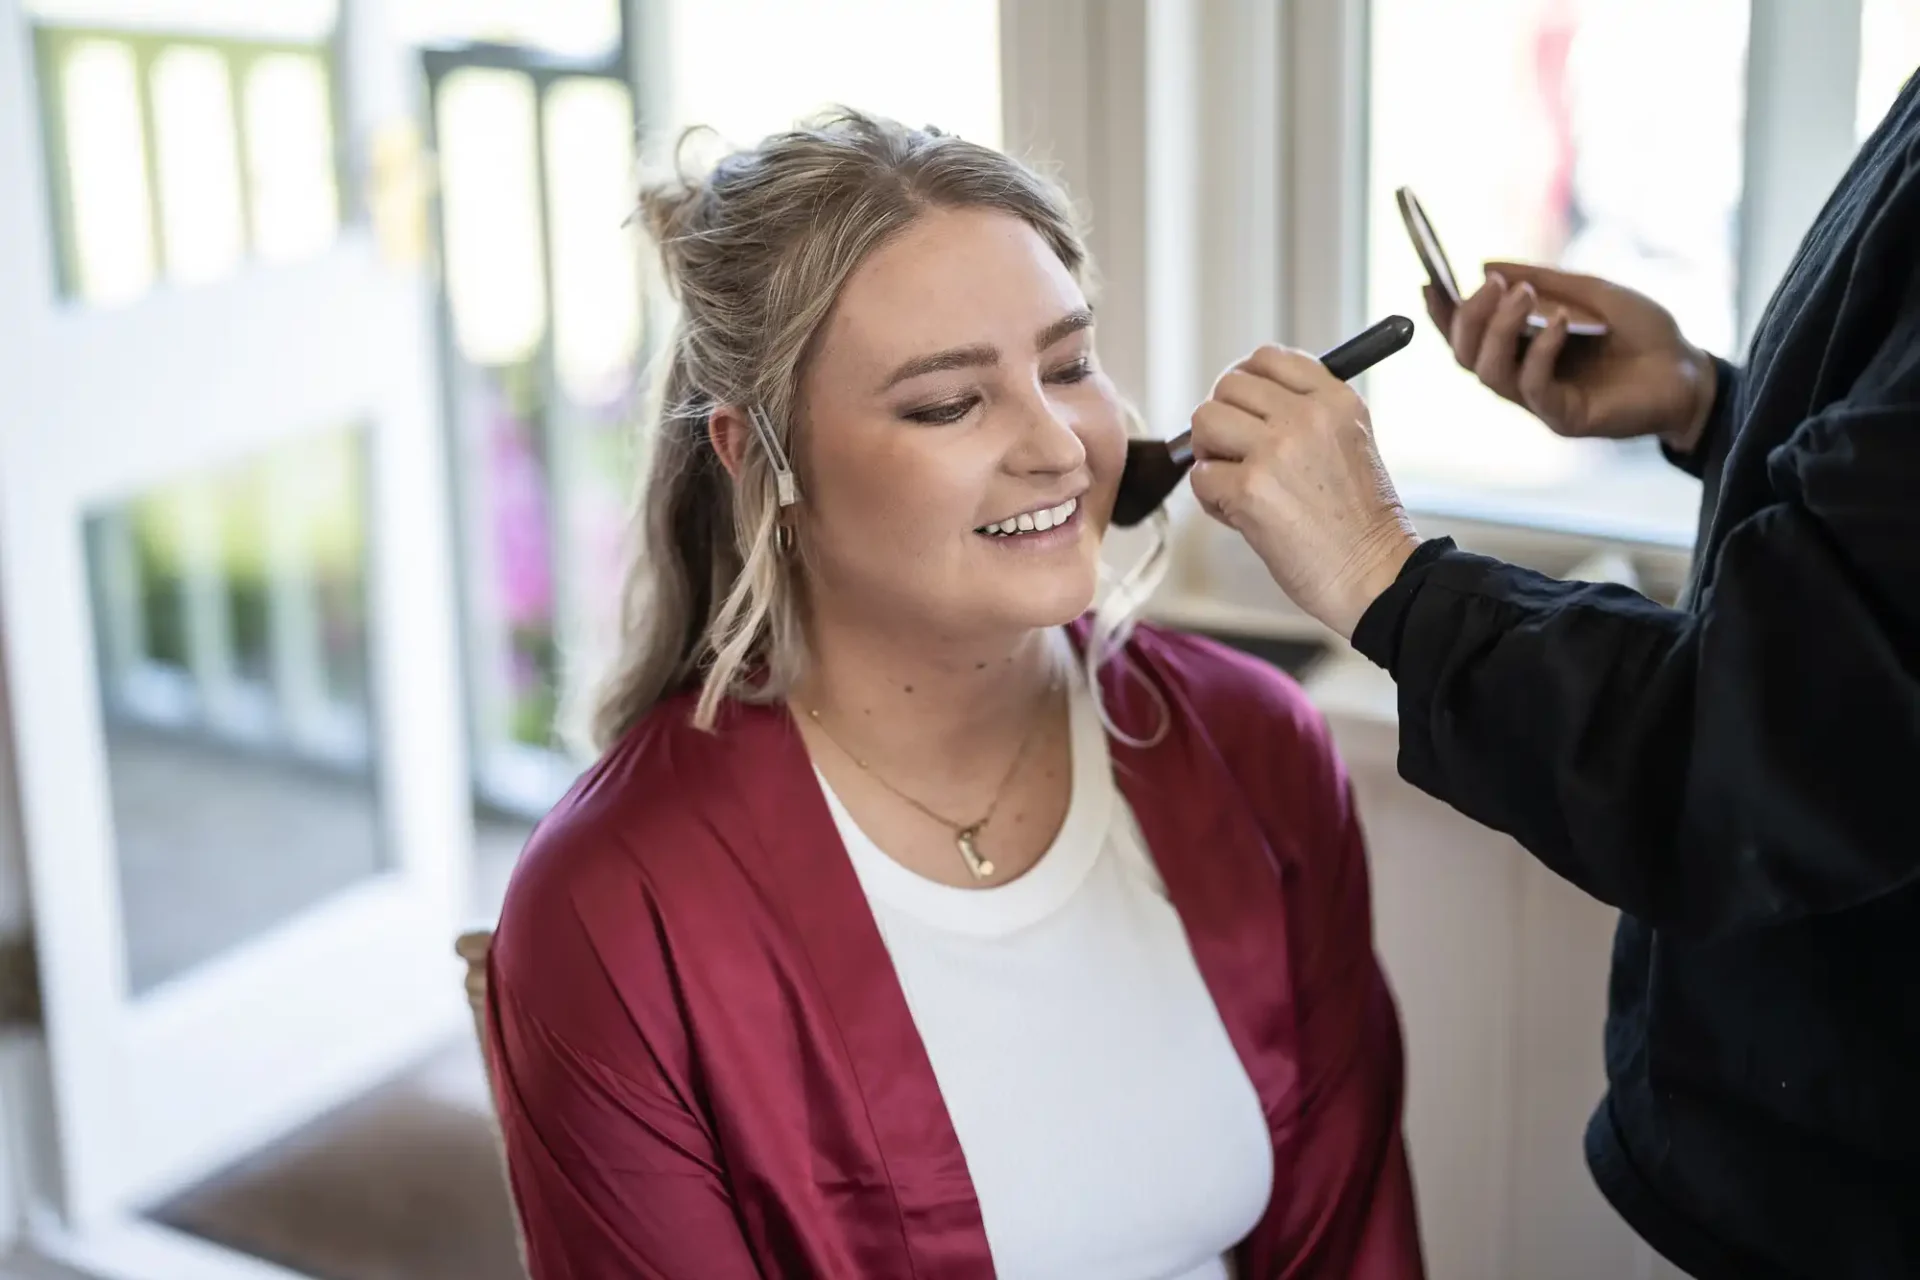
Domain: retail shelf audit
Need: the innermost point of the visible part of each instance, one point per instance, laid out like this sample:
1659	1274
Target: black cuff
1694	461
1377	635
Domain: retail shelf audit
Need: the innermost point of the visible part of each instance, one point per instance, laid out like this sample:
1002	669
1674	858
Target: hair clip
784	484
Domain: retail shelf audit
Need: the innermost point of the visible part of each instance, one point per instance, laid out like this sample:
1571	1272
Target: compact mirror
1581	323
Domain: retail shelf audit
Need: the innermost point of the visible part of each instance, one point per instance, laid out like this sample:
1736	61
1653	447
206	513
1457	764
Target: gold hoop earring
783	538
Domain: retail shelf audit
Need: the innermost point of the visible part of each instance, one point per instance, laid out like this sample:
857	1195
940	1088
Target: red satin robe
705	1067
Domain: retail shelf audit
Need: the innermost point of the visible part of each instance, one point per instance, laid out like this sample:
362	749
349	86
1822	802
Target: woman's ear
728	431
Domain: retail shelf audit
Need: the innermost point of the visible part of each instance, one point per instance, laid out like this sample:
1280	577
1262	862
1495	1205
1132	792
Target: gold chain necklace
966	835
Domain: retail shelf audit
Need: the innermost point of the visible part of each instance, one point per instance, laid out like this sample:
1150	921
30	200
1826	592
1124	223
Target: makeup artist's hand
1284	454
1642	378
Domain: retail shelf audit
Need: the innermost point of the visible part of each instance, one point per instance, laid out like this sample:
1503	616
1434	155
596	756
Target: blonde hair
756	253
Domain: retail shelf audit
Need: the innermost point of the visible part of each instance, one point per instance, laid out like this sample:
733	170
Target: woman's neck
900	697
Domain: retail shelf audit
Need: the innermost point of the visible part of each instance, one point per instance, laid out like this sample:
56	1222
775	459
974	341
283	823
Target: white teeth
1034	521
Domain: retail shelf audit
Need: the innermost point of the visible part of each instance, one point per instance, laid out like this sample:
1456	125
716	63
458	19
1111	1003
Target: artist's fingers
1439	309
1468	324
1220	485
1588	292
1225	430
1539	391
1297	371
1497	363
1253	393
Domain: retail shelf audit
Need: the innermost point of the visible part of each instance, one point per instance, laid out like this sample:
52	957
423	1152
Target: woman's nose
1047	441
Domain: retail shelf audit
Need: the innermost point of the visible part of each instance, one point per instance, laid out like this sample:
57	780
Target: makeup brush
1154	467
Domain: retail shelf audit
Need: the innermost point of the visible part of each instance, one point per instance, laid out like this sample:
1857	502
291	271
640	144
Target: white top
1108	1125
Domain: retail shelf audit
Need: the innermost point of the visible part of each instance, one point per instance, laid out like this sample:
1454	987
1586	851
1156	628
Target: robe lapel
807	873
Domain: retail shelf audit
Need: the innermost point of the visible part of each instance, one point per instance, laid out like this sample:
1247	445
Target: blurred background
322	343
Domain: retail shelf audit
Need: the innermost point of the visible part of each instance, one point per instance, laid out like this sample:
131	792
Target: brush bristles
1151	474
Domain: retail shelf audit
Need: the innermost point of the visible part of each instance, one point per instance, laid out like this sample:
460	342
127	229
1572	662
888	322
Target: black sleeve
1750	761
1709	452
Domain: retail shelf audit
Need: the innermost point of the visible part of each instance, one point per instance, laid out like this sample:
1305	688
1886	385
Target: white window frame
1221	149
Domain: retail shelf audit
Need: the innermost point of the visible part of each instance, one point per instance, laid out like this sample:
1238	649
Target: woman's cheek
1104	435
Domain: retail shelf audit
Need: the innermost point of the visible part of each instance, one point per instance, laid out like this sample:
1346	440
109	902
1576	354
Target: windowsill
1648	505
1220	588
1217	582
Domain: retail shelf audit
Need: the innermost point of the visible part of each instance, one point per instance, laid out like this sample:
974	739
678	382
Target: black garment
1741	776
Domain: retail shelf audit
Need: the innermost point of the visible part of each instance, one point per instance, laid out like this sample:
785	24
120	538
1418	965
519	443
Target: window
184	138
1889	52
1561	147
749	67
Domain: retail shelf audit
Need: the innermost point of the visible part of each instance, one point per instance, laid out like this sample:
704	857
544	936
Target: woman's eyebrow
941	362
984	355
1072	322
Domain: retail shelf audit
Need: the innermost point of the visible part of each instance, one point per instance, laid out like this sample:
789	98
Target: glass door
225	581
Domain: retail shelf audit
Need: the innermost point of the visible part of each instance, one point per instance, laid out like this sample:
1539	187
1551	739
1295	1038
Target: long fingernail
1497	280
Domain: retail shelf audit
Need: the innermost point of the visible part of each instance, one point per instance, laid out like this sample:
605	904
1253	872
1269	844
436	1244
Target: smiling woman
921	917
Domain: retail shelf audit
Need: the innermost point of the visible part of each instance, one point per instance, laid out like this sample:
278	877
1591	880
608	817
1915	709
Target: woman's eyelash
937	415
952	411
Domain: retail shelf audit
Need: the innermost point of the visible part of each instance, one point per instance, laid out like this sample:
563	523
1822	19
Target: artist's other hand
1640	378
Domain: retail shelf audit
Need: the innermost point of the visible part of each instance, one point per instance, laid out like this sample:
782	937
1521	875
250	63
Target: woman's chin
1050	599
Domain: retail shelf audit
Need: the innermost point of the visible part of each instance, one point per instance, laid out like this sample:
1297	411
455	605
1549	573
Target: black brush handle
1368	348
1346	362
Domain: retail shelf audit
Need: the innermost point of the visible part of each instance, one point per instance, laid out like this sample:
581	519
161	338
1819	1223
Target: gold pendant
979	866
